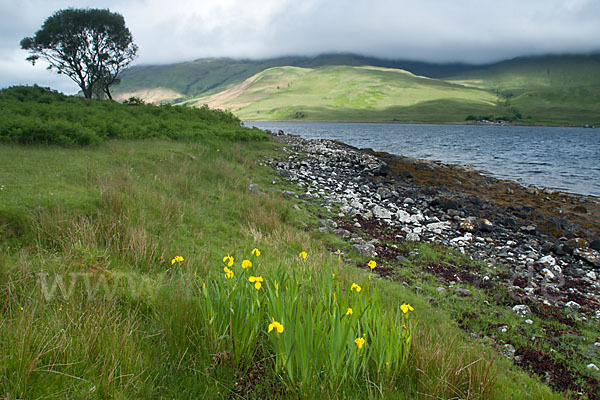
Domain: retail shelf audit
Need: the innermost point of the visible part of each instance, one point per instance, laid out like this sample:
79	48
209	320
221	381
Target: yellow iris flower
349	311
256	280
256	252
228	273
275	325
406	307
355	287
372	264
228	259
246	264
303	255
176	259
359	342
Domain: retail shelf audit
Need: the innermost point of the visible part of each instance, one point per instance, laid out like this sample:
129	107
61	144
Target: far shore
424	123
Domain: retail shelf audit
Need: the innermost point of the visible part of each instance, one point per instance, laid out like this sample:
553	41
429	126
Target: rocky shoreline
545	244
554	259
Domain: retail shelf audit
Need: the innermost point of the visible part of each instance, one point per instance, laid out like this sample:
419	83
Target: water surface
561	158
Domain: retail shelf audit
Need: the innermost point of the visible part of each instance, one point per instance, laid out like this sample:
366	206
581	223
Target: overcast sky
474	31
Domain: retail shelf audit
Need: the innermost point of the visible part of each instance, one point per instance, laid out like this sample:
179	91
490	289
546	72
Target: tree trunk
107	91
87	92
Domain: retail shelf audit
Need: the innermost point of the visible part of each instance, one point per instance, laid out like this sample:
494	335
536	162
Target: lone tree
90	46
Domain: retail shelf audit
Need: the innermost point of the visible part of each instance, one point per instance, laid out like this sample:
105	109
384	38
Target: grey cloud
475	31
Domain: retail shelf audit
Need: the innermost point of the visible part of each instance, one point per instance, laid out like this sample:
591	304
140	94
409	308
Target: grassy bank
96	303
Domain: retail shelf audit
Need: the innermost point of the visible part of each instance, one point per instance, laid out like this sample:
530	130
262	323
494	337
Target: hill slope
549	90
350	94
210	75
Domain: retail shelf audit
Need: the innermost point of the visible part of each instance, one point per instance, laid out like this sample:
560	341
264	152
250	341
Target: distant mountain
545	89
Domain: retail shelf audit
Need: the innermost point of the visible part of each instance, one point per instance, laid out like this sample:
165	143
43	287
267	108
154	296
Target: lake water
566	159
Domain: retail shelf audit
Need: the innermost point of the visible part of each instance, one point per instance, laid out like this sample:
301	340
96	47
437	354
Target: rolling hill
561	90
347	93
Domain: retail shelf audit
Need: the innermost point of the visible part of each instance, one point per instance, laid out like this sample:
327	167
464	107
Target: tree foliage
90	46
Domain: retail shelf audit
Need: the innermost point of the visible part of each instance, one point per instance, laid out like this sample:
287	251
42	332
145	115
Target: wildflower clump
326	326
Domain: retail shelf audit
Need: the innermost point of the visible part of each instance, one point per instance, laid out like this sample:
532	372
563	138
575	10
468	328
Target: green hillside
519	75
554	90
351	94
206	76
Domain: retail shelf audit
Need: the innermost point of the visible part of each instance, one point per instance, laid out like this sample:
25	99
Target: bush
32	114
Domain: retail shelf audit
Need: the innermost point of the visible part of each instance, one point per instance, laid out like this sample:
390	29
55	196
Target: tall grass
92	307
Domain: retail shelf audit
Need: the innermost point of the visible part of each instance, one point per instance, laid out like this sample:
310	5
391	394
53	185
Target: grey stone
384	193
289	194
508	350
409	201
573	305
522	310
547	261
254	189
382	213
343	233
591	275
365	250
589	255
463	292
413	237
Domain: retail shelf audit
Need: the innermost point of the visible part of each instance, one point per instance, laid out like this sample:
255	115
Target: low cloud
430	30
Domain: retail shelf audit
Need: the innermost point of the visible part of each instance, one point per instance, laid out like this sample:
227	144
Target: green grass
91	305
351	94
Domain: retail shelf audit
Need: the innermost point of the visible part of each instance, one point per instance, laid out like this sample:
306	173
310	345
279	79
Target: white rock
592	367
413	237
528	321
522	310
382	213
404	217
548	274
591	275
548	261
438	225
573	305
